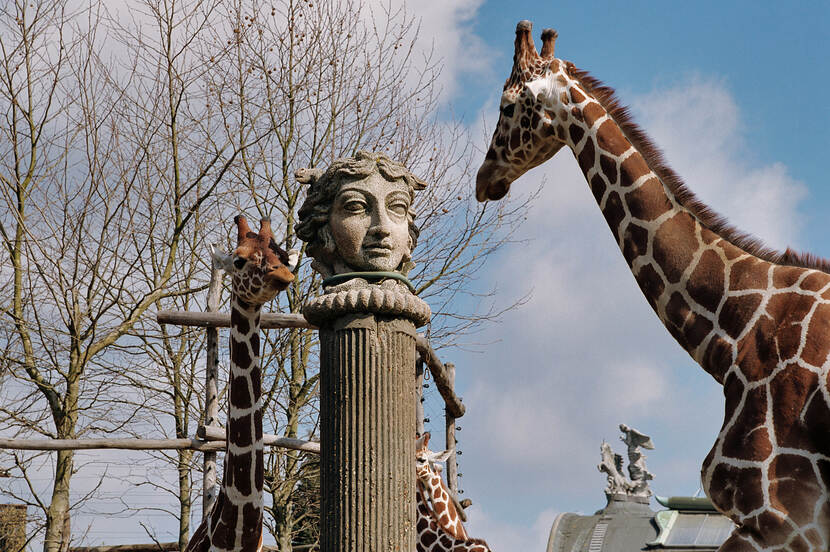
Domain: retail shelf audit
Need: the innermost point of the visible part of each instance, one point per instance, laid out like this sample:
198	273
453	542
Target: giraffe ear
221	259
441	456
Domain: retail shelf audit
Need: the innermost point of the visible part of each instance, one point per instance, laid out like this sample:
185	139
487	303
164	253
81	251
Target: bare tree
129	140
104	169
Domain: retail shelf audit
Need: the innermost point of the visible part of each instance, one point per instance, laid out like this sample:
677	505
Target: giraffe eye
239	262
508	110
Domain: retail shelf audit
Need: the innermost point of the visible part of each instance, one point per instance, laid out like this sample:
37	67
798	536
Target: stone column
359	226
367	415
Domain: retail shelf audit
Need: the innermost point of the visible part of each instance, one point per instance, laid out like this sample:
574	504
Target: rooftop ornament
635	487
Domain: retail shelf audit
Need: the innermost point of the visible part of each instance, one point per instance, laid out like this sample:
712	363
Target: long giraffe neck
442	504
684	268
758	321
432	537
239	505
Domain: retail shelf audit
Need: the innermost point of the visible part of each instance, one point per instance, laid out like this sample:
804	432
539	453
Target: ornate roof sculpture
628	523
635	486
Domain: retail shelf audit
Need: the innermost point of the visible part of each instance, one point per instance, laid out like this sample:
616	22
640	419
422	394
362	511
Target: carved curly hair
323	187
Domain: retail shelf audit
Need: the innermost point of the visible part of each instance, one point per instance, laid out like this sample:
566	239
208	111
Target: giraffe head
426	461
259	267
528	133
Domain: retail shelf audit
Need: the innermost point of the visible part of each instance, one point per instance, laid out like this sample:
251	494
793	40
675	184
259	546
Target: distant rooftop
627	523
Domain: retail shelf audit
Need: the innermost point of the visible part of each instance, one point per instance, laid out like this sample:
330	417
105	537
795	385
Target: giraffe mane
653	156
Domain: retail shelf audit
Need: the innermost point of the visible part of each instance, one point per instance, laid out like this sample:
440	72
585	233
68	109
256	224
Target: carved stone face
369	223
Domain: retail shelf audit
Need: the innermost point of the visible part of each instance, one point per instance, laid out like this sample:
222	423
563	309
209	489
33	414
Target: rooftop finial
612	465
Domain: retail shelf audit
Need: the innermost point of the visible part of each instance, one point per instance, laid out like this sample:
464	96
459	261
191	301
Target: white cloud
587	353
510	536
445	35
698	127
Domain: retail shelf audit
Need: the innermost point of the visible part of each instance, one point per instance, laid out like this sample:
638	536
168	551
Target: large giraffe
259	270
438	526
757	321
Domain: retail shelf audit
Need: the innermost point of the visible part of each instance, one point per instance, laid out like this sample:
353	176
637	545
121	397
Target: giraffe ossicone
259	269
756	320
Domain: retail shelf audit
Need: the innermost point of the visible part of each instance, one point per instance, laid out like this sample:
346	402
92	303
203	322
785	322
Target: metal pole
419	396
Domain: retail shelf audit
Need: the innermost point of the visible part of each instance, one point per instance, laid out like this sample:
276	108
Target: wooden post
419	396
452	461
211	388
449	420
439	376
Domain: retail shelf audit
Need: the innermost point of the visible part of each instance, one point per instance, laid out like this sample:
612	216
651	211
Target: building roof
625	526
627	523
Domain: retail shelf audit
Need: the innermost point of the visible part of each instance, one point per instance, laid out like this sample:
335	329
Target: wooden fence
210	438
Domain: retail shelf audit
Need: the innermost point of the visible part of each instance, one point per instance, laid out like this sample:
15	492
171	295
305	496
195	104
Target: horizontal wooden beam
269	320
123	444
455	407
164	547
215	442
151	547
213	433
278	320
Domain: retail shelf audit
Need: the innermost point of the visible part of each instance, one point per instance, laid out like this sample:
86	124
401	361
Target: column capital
388	298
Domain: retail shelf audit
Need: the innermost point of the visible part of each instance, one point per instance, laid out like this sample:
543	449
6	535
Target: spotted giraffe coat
756	320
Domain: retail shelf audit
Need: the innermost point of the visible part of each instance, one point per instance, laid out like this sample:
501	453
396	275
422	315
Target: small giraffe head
259	267
528	133
426	461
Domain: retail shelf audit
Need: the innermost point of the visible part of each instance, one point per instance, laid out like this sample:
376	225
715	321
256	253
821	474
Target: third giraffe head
259	267
426	461
539	103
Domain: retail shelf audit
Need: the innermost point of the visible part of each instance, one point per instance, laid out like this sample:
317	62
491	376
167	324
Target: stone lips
359	296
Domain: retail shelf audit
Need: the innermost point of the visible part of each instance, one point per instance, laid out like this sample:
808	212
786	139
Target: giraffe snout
488	185
280	277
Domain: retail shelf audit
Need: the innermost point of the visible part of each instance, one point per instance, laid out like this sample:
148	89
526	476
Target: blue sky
733	94
771	56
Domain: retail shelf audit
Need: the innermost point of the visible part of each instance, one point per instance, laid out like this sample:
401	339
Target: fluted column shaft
367	416
367	412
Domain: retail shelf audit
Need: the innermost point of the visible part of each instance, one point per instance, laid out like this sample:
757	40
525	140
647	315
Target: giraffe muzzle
489	187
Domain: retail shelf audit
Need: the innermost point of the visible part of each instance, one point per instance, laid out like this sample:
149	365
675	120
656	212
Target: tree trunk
57	516
285	526
185	500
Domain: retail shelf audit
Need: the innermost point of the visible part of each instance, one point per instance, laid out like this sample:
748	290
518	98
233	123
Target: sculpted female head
358	215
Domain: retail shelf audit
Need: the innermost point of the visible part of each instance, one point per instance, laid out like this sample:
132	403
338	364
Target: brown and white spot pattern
757	321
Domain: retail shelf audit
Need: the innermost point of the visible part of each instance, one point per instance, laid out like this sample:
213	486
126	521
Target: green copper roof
698	504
